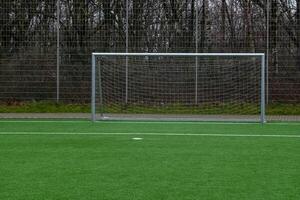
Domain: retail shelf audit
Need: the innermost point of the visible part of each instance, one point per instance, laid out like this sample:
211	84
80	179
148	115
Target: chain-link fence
46	45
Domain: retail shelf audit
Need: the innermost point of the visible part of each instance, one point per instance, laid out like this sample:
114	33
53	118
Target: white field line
153	134
156	122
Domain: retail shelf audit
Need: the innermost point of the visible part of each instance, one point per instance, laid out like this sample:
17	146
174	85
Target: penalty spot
137	138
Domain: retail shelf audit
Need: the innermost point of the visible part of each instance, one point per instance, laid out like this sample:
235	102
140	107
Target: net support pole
263	89
58	51
127	46
268	50
196	64
93	100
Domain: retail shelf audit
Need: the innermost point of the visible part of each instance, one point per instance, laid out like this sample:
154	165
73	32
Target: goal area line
153	134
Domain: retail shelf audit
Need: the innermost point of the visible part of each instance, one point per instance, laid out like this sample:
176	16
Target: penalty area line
154	134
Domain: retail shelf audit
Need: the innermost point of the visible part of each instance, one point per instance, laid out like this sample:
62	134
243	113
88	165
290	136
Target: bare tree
203	22
274	34
298	33
223	24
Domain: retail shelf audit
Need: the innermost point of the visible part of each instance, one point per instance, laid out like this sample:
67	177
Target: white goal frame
261	56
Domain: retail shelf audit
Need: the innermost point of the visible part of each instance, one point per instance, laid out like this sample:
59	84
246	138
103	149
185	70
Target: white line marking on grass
152	134
199	123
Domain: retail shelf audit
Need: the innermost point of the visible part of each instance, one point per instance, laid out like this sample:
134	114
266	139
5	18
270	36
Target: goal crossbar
181	54
260	56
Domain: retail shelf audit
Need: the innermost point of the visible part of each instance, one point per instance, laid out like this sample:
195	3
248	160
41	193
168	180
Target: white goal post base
103	81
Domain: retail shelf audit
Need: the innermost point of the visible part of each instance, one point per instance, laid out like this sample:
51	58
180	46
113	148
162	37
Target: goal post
220	87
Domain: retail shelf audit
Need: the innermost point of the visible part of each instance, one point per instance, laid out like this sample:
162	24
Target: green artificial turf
162	166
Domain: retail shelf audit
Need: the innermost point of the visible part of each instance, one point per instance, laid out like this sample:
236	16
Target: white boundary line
153	134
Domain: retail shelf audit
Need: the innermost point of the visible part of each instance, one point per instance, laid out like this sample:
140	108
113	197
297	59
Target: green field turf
174	161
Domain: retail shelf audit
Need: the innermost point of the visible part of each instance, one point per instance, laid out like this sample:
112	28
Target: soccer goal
178	86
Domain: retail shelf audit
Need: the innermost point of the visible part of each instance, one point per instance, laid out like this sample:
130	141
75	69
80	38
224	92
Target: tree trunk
203	27
273	35
80	23
5	27
191	27
223	25
107	25
298	34
248	26
137	25
230	15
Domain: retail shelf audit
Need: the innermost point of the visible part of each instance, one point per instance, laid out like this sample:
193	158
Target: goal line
153	134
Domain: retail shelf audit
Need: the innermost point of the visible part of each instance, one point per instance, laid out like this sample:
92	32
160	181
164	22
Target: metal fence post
268	50
58	52
127	50
196	67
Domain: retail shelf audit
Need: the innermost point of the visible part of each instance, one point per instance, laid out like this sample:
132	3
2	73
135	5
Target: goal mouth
178	86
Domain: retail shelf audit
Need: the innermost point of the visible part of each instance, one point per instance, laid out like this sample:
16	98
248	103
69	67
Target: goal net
185	87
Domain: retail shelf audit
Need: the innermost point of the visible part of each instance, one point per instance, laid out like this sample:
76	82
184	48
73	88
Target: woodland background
30	32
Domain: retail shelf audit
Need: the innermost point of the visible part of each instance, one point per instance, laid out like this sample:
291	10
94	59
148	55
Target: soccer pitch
172	161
